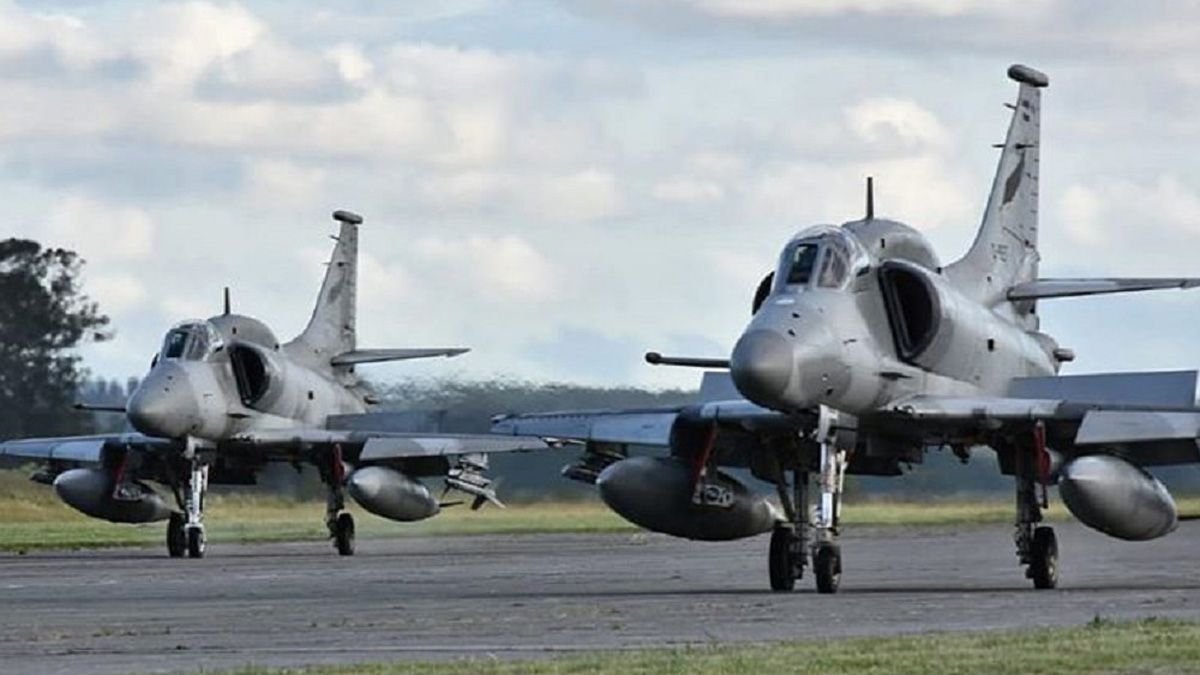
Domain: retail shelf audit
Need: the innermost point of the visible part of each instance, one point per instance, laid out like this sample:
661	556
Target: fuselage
215	379
862	314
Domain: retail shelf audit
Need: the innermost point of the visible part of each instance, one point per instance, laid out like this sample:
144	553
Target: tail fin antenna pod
1005	251
331	330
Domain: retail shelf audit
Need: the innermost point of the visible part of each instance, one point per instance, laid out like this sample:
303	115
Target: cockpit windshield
836	266
804	259
189	341
825	257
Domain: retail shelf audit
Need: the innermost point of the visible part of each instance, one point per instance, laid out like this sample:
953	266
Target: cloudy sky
563	185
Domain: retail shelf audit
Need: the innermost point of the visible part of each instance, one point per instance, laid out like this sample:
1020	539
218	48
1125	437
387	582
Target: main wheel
1043	568
343	534
782	559
176	539
827	567
195	542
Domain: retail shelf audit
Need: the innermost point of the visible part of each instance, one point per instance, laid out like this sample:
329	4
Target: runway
135	610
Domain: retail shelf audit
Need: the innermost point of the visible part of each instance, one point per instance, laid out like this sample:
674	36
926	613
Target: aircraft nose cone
163	404
761	366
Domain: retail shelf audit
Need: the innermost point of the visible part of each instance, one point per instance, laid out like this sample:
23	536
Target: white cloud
506	268
587	195
789	9
688	191
277	180
118	292
1128	226
179	40
101	232
891	121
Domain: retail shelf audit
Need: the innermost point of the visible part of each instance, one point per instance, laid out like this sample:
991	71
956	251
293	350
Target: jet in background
864	352
224	398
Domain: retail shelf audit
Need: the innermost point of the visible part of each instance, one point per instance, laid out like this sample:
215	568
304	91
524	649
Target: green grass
1146	646
32	517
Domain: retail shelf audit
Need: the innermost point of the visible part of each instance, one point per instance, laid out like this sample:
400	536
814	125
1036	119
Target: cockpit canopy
190	341
823	257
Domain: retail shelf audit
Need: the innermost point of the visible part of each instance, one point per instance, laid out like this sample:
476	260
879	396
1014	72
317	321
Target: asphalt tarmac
135	610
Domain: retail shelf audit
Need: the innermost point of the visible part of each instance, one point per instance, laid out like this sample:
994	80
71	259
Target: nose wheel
196	542
786	557
827	567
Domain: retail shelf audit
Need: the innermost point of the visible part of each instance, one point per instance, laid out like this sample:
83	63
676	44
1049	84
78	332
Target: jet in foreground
864	351
224	398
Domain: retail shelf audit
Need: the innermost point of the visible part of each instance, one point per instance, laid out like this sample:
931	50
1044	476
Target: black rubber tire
781	564
1043	567
827	568
343	534
176	539
195	542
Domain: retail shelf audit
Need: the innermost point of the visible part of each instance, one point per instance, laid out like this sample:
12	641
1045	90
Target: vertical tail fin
1005	251
331	330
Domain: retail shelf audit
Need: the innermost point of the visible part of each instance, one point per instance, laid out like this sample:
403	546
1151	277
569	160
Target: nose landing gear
790	541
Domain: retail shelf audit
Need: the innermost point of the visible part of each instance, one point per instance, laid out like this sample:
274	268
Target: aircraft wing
635	427
382	445
81	449
1143	435
648	426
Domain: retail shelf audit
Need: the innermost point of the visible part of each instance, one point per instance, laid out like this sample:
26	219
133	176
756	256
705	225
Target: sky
565	185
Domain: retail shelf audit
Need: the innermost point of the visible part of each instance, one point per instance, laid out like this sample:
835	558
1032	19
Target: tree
44	316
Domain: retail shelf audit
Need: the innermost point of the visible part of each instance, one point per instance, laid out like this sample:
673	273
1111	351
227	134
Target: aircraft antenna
870	198
227	301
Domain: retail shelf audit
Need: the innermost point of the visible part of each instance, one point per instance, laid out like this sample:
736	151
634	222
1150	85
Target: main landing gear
789	550
339	521
1037	547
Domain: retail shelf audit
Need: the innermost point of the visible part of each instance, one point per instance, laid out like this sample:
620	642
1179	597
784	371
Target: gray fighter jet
224	398
863	353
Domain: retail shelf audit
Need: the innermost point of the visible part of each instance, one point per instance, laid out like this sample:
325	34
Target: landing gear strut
1037	547
790	541
827	555
339	521
193	528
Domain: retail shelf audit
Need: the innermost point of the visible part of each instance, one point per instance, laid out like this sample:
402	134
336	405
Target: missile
390	494
1108	494
90	491
658	494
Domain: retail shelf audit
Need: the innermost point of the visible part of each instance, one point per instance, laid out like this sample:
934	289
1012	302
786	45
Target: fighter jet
224	398
864	353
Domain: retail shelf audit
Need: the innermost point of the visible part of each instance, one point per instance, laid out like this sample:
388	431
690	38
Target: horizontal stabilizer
1068	288
380	355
